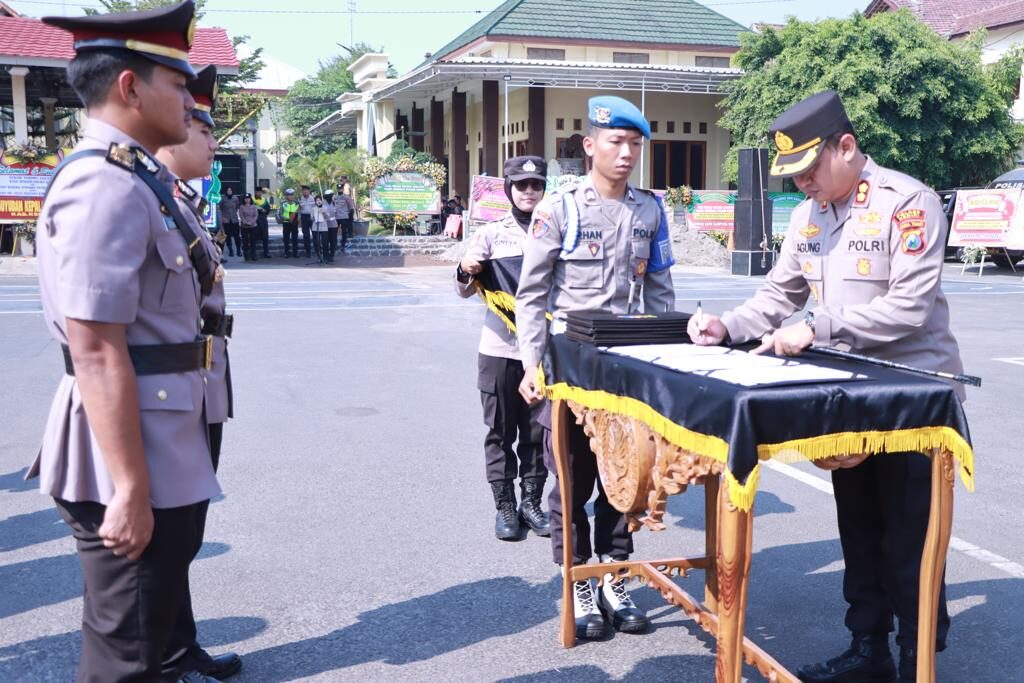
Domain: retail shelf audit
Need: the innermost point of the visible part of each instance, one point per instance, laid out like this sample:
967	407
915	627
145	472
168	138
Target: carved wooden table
640	469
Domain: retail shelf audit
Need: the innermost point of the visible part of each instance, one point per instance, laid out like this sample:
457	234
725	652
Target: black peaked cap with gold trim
801	131
204	91
161	35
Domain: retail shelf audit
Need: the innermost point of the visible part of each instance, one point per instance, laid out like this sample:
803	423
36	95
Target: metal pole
351	22
643	146
507	154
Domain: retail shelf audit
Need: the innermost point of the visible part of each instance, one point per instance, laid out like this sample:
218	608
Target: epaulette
185	190
121	156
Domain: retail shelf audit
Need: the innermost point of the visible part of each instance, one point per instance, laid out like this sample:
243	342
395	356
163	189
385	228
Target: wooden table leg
733	565
933	562
560	416
711	484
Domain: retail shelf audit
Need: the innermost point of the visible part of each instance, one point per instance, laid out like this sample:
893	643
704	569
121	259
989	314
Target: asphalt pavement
354	539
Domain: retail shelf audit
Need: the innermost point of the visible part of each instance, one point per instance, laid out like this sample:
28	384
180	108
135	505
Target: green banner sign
405	192
783	204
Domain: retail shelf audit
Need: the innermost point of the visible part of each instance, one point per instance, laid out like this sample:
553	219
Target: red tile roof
954	17
26	38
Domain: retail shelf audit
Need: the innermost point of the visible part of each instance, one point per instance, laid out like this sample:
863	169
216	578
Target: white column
49	124
18	74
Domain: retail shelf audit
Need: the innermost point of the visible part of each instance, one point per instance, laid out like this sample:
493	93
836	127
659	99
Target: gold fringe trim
742	495
695	442
921	440
499	303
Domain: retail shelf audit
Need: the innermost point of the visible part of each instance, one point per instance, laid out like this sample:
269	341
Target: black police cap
162	35
801	131
204	91
525	168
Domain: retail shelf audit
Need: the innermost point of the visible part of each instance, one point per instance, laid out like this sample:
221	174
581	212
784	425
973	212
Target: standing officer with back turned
868	246
125	453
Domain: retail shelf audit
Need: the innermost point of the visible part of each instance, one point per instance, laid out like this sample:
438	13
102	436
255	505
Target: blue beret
614	112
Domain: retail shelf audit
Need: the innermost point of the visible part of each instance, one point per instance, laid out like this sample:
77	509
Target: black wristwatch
461	275
809	321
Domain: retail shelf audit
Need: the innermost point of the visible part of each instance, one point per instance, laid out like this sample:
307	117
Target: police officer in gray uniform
125	450
508	418
599	246
191	160
867	246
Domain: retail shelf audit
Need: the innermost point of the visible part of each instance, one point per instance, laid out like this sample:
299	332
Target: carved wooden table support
933	561
640	470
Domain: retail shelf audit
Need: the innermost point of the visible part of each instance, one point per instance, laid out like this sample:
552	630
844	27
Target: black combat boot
867	661
506	522
530	512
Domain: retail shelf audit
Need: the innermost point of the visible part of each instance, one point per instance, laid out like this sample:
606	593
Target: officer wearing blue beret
601	245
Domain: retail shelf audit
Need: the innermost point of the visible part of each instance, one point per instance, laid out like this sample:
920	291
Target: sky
304	32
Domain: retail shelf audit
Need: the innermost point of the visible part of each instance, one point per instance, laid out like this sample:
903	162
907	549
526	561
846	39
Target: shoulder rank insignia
185	190
121	156
147	161
863	192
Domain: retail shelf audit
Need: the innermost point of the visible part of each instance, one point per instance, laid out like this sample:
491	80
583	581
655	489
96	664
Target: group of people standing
246	223
322	219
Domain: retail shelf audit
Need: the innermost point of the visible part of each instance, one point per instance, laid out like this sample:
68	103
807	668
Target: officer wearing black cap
192	160
600	246
125	451
507	416
867	246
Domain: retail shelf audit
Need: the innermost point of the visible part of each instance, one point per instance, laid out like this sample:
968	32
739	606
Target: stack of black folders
610	329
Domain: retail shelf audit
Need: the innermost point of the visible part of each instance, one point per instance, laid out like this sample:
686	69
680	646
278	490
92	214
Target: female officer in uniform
506	415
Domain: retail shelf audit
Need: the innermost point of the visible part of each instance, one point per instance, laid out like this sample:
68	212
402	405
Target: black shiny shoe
618	607
218	668
506	521
867	661
590	624
530	511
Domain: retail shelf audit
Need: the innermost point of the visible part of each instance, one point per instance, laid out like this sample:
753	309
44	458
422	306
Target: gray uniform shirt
307	205
873	266
229	209
107	254
216	378
500	239
613	250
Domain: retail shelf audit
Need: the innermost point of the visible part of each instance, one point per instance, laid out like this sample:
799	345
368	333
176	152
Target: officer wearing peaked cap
125	451
192	160
600	246
514	442
867	247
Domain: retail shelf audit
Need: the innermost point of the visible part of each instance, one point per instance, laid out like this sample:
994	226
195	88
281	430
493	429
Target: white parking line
980	554
1015	361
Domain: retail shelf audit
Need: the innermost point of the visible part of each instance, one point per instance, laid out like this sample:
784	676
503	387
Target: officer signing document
867	246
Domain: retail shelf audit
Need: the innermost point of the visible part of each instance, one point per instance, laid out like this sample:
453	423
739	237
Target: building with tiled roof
33	58
1002	21
517	82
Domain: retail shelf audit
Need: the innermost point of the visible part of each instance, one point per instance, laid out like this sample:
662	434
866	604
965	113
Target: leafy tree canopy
918	103
313	98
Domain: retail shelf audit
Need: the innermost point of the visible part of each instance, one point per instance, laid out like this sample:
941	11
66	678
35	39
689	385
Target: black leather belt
218	325
162	359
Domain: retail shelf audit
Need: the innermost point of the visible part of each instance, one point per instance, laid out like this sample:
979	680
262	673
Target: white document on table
732	365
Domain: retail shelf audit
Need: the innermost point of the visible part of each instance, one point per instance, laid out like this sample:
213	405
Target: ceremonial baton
836	353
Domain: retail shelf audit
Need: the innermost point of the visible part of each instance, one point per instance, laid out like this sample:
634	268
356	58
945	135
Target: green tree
313	98
1005	74
919	103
